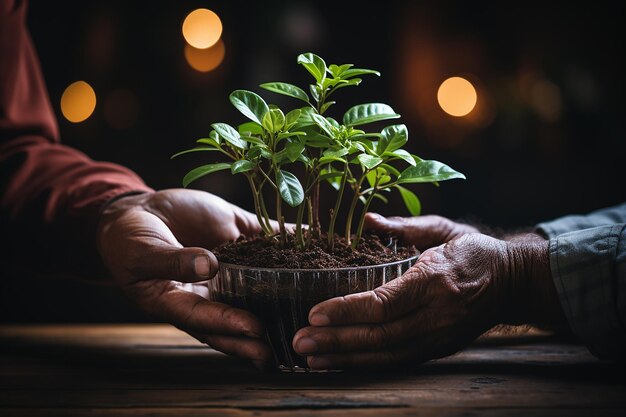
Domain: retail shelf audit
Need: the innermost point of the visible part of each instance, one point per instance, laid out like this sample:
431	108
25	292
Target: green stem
359	230
310	213
355	200
257	207
333	219
300	216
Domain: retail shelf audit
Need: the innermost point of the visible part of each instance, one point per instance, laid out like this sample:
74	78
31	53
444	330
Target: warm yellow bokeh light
205	60
202	28
78	101
457	96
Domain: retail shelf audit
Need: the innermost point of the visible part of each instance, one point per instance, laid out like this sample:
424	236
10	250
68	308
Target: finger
243	347
385	303
365	337
191	312
178	264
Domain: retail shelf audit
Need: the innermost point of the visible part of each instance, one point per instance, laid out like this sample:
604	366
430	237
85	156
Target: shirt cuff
588	267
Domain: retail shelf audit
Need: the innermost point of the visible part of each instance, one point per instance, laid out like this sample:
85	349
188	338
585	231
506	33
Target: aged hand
453	294
422	231
153	245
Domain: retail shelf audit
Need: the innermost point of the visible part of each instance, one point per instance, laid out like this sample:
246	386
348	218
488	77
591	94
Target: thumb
178	264
395	226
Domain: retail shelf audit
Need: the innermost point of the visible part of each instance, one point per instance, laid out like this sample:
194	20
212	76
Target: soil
265	252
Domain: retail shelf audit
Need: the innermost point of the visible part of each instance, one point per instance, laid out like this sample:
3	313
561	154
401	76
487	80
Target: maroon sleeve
50	195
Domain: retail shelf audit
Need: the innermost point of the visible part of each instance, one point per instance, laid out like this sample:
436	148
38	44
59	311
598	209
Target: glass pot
282	298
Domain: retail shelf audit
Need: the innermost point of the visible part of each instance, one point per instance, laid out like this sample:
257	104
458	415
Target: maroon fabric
50	195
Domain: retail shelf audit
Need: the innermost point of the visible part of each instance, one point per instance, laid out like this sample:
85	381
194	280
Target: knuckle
377	336
382	307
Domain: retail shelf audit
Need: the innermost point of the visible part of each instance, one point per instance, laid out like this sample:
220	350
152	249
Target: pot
282	298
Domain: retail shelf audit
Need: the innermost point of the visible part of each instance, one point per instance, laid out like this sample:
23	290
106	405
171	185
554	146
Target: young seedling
341	154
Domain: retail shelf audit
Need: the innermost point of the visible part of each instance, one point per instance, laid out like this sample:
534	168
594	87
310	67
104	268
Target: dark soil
265	252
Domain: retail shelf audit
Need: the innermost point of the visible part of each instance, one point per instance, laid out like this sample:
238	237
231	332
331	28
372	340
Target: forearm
50	204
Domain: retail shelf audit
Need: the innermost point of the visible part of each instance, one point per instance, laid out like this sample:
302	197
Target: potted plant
286	157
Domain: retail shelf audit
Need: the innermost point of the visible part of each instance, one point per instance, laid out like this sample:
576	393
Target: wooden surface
156	370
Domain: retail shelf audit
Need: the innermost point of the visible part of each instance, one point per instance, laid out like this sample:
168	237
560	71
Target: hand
154	246
453	294
422	231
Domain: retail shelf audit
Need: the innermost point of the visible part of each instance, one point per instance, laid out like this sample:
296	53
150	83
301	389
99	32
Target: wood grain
152	370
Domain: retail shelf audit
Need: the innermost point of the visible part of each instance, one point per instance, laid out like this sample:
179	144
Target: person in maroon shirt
61	212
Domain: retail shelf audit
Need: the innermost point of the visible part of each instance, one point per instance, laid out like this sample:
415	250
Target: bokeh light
202	28
205	60
78	101
457	96
121	109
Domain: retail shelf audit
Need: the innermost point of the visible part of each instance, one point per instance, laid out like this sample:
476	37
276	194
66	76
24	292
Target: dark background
546	139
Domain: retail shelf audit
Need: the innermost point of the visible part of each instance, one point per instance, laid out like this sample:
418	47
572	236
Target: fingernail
306	345
202	266
318	362
262	365
319	319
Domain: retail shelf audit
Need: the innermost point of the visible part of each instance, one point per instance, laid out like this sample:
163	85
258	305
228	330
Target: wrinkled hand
453	294
153	245
422	231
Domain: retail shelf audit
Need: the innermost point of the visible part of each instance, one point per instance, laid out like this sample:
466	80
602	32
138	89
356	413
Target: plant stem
333	219
315	202
355	200
359	230
299	235
310	213
257	208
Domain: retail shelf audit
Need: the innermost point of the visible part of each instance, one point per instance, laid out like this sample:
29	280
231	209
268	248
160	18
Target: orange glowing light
457	96
78	101
205	60
202	28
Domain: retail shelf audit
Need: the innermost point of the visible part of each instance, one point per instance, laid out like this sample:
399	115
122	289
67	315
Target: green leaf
315	92
331	158
250	127
252	139
390	169
198	149
209	141
392	138
284	135
428	171
286	89
293	150
411	201
229	134
249	104
381	197
317	140
349	83
326	105
369	161
213	135
325	174
274	120
289	188
354	72
305	118
337	153
402	154
241	166
367	113
292	118
324	124
203	170
314	64
337	70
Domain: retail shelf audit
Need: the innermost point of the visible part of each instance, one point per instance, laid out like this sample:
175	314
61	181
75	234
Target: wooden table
156	370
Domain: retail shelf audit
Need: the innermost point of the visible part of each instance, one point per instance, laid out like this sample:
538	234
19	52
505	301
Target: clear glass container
282	298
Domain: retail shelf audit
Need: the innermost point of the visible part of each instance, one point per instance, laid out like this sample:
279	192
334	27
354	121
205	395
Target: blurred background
525	98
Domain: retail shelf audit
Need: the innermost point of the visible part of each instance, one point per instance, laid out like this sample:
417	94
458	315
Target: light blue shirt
588	263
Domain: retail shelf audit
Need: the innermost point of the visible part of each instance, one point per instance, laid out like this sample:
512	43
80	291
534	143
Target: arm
62	212
50	195
470	283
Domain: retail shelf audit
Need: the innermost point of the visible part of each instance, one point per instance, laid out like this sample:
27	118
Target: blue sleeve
588	263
